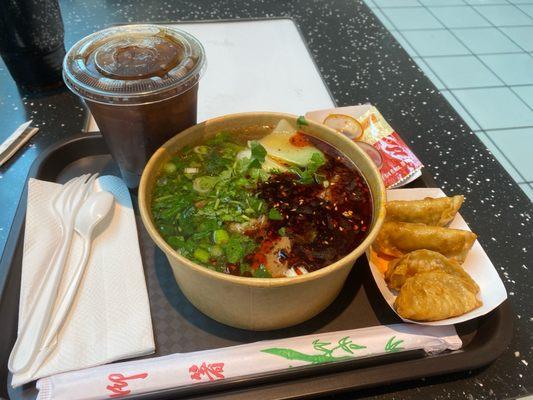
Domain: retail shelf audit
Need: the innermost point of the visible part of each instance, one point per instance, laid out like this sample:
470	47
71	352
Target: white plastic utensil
93	212
65	205
16	140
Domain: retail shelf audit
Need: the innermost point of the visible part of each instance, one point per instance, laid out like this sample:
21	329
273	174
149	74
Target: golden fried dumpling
433	296
399	238
419	261
438	211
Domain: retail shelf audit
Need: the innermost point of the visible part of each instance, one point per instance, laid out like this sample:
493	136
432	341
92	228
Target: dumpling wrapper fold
430	211
433	296
420	261
399	238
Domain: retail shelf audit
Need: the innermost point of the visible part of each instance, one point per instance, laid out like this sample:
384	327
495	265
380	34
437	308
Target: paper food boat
477	264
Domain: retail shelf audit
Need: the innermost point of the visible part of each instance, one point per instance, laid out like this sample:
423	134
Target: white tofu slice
277	144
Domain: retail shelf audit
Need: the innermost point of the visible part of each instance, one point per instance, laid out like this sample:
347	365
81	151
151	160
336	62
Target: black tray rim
344	380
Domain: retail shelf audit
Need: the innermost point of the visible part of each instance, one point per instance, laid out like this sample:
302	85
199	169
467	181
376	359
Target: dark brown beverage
139	130
140	83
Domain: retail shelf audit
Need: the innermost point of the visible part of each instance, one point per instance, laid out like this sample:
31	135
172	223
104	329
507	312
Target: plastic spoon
95	210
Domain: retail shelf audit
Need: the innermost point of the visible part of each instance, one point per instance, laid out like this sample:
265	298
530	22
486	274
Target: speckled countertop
360	62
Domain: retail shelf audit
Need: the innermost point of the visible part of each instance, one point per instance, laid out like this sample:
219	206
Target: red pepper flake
324	224
299	140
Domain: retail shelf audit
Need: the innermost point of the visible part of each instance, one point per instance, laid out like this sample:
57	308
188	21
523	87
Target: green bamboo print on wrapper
392	346
326	355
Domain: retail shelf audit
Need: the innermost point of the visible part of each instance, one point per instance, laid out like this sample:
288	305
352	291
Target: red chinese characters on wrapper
212	371
365	125
119	386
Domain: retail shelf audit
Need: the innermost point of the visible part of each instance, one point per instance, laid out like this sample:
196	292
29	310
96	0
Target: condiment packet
365	125
185	369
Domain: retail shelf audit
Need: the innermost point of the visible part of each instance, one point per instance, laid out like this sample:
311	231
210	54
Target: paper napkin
110	317
176	370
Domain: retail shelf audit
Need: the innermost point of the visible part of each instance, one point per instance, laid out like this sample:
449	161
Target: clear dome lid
134	64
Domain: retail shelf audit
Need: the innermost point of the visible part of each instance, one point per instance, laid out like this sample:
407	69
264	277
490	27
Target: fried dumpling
434	296
420	261
430	211
399	238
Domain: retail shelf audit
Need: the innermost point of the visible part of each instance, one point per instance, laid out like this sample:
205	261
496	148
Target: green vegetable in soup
275	215
309	175
202	190
220	236
201	255
261	272
205	200
301	121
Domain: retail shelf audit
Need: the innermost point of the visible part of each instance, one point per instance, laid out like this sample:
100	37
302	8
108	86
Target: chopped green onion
204	184
282	231
216	251
201	255
201	150
241	182
220	236
175	241
170	167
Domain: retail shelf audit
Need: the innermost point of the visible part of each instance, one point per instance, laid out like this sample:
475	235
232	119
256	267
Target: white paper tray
477	264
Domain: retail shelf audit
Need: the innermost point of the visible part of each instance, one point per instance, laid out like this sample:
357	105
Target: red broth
323	223
232	216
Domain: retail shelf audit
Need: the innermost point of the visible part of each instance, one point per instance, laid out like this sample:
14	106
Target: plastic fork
65	205
93	213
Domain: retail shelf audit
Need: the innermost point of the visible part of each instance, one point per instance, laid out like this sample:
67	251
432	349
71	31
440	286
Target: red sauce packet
365	125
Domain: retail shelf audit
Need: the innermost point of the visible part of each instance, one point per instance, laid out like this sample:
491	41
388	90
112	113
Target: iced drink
140	83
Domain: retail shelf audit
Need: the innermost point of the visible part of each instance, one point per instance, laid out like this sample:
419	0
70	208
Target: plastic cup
140	83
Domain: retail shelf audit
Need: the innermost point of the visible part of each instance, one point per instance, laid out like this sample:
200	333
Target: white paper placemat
259	65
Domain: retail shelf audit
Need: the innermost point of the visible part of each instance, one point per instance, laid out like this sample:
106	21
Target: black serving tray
179	327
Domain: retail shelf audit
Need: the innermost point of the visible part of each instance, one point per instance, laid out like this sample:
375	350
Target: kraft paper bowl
259	303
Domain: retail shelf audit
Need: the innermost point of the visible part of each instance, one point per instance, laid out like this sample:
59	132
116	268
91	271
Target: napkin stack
177	370
110	317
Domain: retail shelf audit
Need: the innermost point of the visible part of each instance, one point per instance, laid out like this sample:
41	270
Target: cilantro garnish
275	215
258	151
261	272
301	121
309	174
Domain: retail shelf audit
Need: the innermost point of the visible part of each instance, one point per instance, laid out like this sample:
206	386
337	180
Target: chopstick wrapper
185	369
110	316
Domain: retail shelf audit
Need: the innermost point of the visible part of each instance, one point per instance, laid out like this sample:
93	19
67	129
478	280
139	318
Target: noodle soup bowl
259	303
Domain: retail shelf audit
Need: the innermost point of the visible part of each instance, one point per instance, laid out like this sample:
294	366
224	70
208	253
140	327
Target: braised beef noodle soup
263	202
